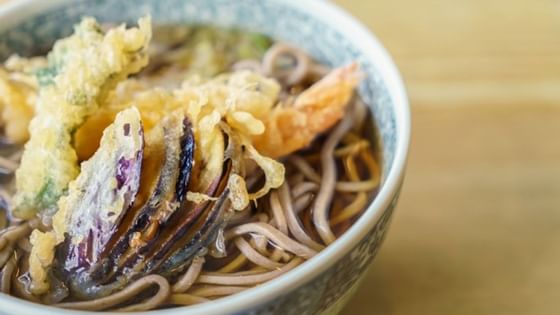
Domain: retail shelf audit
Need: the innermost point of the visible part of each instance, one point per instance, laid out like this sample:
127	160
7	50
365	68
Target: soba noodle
328	186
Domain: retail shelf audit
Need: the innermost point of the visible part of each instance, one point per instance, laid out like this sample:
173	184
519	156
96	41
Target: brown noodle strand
296	179
161	296
296	75
304	188
278	213
274	235
360	200
261	242
127	294
366	185
253	271
303	202
262	217
235	279
293	221
214	291
235	264
18	287
7	275
278	254
349	149
307	221
254	256
5	255
350	211
342	186
372	166
14	233
186	299
305	168
186	281
328	181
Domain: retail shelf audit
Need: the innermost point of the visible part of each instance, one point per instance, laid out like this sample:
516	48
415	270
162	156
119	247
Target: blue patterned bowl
323	284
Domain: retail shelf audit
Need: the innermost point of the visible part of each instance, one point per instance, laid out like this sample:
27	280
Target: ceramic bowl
323	284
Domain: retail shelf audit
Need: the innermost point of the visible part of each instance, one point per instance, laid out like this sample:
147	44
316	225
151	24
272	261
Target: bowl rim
15	11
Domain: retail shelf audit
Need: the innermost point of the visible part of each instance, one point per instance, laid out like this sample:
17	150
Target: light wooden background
477	230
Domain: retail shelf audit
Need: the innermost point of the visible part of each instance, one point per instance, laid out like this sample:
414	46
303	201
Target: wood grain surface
478	226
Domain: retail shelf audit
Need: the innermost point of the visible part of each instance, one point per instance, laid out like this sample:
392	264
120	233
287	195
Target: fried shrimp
290	128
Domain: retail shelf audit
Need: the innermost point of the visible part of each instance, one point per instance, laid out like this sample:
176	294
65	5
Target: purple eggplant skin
186	161
172	229
193	226
172	182
200	228
100	196
105	277
103	192
171	233
87	253
170	189
90	281
214	221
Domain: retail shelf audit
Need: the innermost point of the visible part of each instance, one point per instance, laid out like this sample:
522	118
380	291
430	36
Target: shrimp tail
315	110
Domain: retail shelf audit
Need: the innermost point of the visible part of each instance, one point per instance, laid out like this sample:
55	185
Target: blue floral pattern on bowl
289	24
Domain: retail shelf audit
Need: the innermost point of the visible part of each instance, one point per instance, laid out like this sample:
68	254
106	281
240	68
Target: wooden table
477	230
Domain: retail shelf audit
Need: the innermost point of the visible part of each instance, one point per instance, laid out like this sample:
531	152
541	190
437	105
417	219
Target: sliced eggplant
163	232
192	227
181	227
191	224
101	195
197	234
141	224
165	200
202	227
